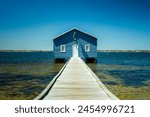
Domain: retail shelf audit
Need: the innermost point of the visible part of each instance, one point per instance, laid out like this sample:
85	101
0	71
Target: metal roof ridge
71	30
64	33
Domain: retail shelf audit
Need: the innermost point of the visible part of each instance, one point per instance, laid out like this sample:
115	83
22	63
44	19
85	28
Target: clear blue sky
32	24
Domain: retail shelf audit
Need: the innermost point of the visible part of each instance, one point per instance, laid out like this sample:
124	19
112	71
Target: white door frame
75	52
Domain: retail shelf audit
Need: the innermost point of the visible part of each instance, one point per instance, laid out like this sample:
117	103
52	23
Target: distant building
75	43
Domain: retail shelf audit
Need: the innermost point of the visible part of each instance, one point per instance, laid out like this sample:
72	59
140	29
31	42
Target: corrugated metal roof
74	33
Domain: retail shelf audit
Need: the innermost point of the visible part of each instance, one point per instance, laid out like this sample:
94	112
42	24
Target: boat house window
63	48
87	48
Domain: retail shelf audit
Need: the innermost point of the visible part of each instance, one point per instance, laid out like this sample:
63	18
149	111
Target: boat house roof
74	29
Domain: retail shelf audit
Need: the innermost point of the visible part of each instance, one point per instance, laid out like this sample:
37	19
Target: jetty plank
78	82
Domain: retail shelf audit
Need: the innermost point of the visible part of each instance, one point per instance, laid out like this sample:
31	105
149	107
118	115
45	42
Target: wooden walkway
78	82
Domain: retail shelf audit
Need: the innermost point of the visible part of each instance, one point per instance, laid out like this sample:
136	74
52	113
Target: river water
23	75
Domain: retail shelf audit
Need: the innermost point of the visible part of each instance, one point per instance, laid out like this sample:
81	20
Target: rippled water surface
23	75
127	75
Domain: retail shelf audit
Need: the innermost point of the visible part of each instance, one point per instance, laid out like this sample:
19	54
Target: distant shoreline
145	51
25	51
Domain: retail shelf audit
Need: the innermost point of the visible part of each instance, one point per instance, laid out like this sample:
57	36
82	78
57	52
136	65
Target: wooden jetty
76	81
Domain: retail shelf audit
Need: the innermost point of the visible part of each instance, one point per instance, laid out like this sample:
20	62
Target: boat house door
75	51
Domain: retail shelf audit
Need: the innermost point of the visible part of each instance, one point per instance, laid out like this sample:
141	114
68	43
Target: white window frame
61	48
89	48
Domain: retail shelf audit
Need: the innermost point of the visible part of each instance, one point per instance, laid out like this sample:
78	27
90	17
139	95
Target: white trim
87	48
62	48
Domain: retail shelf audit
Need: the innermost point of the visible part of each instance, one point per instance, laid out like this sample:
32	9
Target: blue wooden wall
82	39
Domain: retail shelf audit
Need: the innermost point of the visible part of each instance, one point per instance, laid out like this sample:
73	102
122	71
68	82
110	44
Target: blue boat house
75	43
